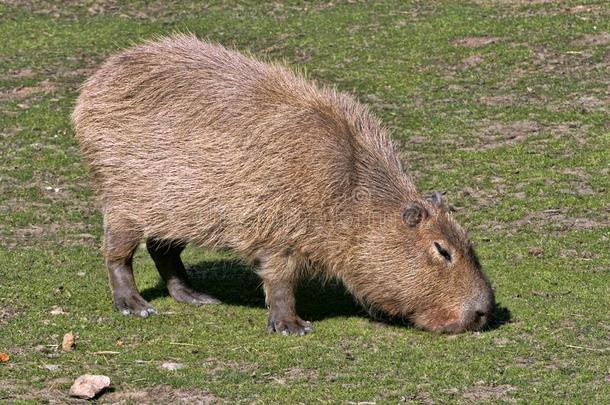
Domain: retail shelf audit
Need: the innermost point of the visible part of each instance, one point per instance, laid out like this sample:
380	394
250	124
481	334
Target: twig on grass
593	349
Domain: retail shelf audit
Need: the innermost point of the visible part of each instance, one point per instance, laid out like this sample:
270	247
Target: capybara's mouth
424	321
467	321
474	322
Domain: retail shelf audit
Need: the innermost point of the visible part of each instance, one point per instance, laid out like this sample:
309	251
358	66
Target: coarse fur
189	142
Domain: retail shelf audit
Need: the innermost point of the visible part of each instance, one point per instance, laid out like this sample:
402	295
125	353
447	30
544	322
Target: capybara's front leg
282	315
166	256
119	247
279	284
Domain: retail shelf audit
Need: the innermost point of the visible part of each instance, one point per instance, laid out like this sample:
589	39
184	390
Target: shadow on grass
234	283
500	317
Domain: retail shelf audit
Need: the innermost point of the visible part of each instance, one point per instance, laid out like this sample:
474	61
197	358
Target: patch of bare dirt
527	2
9	132
500	100
482	392
19	93
475	42
557	218
500	341
160	394
603	38
421	397
217	367
578	64
380	104
556	221
53	393
524	362
7	313
485	196
494	3
569	130
579	182
47	229
294	374
471	61
56	392
575	171
35	232
523	8
577	254
450	72
19	73
497	135
551	61
588	8
303	56
73	9
79	72
50	232
590	102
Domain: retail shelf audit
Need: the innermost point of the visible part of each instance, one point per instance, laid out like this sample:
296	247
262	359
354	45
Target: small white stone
57	310
171	366
88	386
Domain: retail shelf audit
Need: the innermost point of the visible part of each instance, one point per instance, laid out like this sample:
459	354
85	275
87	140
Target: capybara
189	142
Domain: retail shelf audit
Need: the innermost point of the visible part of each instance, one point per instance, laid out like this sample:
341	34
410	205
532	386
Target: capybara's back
189	142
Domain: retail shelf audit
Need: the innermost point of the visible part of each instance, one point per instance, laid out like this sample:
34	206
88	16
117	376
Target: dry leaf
67	343
4	357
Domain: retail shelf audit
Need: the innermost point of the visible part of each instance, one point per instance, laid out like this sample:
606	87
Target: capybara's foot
185	293
133	304
289	326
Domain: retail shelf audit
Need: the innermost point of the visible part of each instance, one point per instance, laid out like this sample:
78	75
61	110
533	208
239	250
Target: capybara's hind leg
119	247
279	282
166	256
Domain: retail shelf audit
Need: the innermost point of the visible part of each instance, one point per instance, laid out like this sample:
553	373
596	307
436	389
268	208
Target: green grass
516	132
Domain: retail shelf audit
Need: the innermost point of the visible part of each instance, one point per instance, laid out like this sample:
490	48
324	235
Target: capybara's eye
442	251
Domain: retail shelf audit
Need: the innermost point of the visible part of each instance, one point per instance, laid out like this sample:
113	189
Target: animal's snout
478	312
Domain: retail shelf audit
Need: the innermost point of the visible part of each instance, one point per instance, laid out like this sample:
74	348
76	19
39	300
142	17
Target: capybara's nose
478	311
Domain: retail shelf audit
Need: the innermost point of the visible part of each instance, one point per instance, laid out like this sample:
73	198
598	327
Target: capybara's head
425	270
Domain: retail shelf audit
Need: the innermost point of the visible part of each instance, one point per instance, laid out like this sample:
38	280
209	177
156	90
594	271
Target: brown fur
189	142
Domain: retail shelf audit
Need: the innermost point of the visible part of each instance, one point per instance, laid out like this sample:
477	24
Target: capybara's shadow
500	317
235	283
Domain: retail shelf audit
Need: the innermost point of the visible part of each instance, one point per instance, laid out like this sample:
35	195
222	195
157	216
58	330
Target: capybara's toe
134	305
295	326
185	293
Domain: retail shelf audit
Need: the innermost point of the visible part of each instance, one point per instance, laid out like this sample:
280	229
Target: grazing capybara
189	142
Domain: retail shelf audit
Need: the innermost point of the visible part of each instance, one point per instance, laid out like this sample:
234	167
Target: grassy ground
503	105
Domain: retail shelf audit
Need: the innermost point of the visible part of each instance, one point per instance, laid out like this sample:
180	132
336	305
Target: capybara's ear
414	213
436	198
